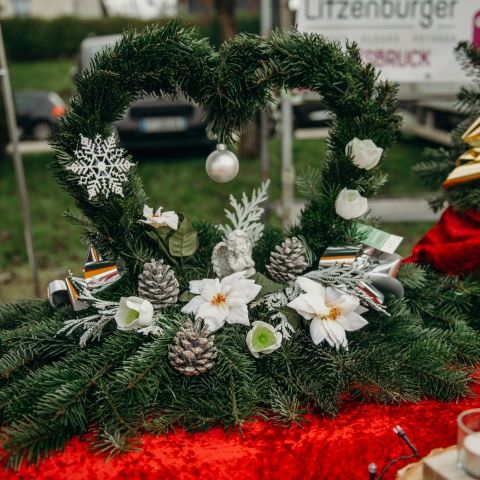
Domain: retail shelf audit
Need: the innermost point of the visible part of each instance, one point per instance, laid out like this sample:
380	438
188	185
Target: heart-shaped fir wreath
119	382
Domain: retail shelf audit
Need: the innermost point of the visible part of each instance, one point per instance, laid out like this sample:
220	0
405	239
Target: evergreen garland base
121	382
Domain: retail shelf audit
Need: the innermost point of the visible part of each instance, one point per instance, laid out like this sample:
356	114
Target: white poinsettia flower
331	312
364	153
350	204
263	338
134	313
159	218
222	301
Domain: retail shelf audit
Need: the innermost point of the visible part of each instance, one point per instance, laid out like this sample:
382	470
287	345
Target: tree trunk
225	10
250	141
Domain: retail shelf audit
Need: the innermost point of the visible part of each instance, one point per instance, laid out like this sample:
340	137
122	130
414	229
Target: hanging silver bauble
222	165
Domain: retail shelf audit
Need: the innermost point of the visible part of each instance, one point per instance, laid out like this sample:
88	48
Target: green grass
398	163
53	75
412	232
180	184
176	183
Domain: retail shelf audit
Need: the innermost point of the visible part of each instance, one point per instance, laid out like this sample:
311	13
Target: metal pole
265	28
264	151
18	163
288	171
265	17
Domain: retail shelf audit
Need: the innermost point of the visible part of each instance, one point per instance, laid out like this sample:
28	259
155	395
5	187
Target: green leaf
268	286
294	319
163	232
184	242
158	234
186	296
153	235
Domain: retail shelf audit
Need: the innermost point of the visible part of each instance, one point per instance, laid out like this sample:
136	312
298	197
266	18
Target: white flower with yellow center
222	301
159	218
331	312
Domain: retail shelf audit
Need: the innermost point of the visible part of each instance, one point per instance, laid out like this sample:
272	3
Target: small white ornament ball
222	165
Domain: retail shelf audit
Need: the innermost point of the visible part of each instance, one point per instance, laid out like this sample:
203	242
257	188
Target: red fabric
334	449
452	246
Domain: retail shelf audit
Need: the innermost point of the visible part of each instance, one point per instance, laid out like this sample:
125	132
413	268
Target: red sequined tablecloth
322	448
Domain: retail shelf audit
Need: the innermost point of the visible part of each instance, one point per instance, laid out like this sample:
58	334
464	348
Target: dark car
151	123
37	113
310	110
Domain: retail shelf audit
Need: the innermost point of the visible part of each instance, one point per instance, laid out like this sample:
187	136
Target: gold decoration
468	164
472	135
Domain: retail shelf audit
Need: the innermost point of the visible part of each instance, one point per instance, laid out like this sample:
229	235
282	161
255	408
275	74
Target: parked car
37	113
309	110
151	123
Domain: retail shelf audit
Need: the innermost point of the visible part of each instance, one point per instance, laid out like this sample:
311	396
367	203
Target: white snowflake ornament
101	166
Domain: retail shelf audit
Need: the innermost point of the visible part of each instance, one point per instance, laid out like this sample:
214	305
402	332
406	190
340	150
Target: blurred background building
144	9
51	8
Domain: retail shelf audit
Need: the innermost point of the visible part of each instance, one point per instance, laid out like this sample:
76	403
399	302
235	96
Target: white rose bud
363	153
263	338
134	313
350	204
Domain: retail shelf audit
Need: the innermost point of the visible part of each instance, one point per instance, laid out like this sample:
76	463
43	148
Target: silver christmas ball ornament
222	165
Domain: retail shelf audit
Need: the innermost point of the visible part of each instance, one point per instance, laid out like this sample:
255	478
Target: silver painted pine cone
287	261
192	351
158	284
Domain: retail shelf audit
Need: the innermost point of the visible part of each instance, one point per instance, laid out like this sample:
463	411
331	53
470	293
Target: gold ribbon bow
468	164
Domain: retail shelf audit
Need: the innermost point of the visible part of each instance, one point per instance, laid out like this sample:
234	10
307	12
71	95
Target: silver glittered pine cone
192	351
288	260
158	284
